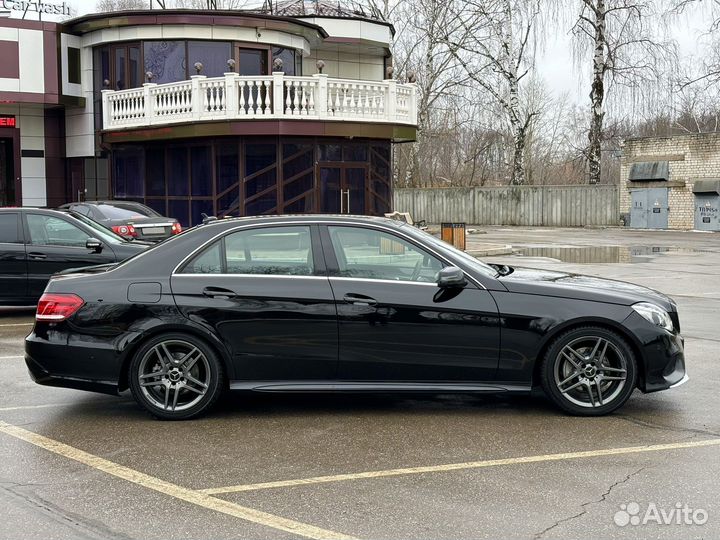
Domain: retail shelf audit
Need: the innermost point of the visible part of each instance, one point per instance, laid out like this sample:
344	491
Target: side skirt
360	386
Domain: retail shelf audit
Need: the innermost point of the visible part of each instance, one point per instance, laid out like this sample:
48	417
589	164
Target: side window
9	233
372	254
208	261
52	231
268	251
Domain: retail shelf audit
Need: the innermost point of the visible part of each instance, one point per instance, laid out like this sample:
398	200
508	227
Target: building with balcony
191	112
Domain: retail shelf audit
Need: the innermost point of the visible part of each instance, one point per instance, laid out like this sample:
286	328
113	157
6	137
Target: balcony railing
276	96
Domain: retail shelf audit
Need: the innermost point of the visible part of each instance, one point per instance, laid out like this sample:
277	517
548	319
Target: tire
589	371
176	376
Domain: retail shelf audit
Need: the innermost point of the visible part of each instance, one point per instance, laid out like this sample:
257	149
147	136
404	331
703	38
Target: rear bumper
41	376
52	362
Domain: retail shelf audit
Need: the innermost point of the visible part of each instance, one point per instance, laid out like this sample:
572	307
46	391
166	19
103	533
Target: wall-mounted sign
51	8
7	121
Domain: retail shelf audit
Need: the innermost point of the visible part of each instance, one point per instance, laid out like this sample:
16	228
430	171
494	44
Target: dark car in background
346	304
36	243
128	219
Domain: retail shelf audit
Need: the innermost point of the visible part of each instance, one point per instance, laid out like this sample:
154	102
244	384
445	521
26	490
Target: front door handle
37	256
218	292
359	300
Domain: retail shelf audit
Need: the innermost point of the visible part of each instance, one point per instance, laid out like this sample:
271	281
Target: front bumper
662	355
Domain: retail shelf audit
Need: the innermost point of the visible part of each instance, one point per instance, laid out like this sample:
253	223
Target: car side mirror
451	276
94	245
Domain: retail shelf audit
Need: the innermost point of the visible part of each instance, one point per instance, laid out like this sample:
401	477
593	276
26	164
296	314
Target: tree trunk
597	95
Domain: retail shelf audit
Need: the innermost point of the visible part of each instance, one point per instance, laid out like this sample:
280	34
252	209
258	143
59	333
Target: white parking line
461	466
44	406
178	492
16	324
11	357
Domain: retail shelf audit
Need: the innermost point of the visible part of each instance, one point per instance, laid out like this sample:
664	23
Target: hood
578	286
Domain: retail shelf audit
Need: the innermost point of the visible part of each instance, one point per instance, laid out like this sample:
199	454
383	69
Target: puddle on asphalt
599	254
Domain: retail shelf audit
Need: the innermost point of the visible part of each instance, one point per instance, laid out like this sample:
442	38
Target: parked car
128	219
36	243
328	303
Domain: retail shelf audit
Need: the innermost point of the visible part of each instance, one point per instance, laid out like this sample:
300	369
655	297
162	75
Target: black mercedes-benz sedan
346	304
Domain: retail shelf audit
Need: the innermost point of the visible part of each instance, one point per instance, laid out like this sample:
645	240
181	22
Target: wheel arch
210	339
607	324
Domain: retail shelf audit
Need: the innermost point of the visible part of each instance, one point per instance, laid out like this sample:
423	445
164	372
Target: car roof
317	218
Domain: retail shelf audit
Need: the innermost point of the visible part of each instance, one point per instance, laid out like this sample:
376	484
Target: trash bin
453	233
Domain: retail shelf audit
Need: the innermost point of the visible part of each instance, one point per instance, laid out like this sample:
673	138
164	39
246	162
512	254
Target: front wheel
589	371
175	376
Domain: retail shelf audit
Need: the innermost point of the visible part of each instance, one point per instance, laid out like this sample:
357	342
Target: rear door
266	293
13	261
395	324
55	244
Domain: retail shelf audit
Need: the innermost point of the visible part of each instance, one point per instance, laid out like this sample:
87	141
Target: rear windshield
137	207
114	212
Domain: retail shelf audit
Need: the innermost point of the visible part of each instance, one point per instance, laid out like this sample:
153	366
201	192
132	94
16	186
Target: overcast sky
555	63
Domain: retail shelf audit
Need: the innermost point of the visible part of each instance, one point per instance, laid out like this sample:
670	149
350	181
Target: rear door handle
218	292
359	300
37	256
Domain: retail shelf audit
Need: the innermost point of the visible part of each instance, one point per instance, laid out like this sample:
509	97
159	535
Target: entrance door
658	208
7	173
707	217
343	189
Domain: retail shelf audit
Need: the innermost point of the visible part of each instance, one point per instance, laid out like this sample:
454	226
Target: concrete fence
552	206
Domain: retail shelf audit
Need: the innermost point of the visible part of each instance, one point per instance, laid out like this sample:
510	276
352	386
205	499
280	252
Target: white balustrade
277	96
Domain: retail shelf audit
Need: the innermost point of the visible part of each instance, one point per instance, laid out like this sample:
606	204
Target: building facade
191	112
671	182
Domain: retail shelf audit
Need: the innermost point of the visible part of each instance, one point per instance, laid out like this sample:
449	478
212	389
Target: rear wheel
589	371
175	376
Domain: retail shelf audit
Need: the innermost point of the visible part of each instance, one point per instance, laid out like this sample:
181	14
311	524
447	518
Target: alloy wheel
590	371
174	375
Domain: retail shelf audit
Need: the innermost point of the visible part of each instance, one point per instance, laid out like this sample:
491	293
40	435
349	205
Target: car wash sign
49	8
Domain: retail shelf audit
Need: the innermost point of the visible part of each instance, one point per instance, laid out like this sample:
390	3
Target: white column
321	100
195	98
231	95
149	103
278	93
412	106
106	108
391	100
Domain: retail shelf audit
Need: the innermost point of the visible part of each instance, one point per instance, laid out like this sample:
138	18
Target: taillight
57	307
124	230
176	228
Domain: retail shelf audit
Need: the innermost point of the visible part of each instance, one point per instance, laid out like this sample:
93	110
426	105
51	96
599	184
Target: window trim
319	270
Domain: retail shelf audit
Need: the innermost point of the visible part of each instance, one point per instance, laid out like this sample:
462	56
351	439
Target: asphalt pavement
81	465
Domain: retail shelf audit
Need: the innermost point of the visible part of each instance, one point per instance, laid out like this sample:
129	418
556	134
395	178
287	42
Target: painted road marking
184	494
44	406
460	466
10	357
8	325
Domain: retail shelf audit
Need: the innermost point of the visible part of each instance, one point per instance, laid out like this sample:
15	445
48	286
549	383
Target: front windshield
472	261
106	235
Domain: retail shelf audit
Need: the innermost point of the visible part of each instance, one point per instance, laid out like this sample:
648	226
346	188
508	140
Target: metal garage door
707	202
649	208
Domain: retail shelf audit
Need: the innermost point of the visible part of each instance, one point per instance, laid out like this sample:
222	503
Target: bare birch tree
625	52
496	49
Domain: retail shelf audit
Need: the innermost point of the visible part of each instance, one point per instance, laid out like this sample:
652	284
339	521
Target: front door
265	292
395	324
55	244
658	208
343	188
707	217
13	263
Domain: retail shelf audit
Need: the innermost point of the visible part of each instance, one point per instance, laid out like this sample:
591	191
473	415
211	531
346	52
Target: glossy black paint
25	268
326	332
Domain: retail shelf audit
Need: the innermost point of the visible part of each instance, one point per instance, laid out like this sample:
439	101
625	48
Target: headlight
654	314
